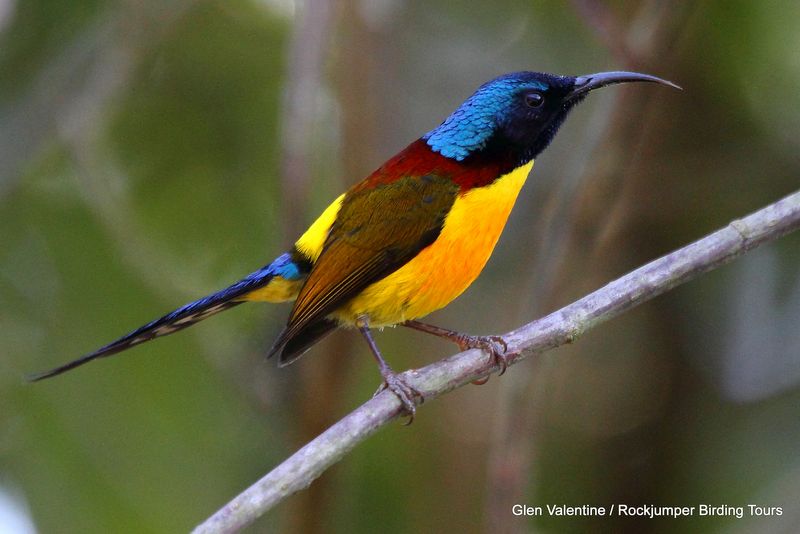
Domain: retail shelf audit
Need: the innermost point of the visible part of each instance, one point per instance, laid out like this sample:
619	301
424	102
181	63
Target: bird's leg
391	380
495	345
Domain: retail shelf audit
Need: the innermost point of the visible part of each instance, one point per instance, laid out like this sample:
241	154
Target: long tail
284	266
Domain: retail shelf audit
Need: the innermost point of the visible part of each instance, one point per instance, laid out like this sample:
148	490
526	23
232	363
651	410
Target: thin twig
563	326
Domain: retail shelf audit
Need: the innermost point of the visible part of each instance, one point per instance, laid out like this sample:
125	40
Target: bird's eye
534	99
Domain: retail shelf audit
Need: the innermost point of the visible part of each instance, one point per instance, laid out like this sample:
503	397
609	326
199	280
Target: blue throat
470	127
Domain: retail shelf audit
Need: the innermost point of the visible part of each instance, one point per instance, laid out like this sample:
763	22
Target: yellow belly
443	270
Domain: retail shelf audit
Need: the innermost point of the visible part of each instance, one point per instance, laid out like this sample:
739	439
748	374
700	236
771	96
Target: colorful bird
410	237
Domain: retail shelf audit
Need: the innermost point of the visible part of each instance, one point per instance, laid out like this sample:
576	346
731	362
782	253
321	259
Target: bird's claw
404	392
481	381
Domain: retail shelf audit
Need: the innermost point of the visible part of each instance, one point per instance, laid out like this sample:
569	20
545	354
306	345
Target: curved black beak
589	82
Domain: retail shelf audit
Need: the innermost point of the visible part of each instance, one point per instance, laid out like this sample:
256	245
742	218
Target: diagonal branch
560	327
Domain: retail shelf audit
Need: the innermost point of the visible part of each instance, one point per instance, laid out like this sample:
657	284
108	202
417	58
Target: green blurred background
151	152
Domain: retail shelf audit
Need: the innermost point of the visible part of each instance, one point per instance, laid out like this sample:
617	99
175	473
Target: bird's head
520	111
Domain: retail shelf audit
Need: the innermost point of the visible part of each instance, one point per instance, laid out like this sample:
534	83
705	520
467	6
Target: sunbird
409	238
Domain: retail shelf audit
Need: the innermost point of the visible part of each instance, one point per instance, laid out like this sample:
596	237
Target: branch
560	327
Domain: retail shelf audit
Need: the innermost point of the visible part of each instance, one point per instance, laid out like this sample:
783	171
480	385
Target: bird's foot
496	346
404	392
391	380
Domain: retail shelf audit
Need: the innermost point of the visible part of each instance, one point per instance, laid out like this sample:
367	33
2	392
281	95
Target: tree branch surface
562	326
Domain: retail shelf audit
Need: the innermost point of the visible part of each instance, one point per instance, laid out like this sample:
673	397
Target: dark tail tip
35	377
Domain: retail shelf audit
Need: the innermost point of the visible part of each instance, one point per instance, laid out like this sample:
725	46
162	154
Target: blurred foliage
140	150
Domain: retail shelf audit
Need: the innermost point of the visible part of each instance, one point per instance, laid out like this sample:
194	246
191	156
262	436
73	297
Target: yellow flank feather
311	242
443	270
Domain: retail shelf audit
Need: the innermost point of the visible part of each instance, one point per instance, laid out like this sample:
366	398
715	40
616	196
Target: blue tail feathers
288	265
